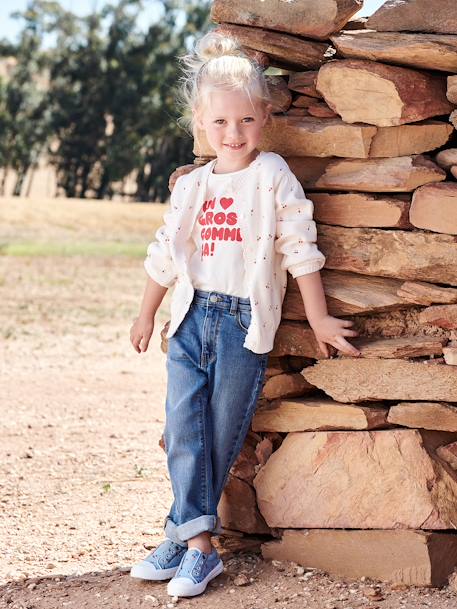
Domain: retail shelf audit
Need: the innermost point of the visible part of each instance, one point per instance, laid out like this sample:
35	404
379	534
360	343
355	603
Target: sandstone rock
263	451
359	23
426	51
449	454
427	415
321	110
303	101
358	380
386	479
281	97
245	465
443	316
396	323
286	386
293	340
361	210
451	89
347	294
309	169
229	544
402	174
378	94
304	82
453	118
317	414
446	158
453	171
303	17
283	50
400	254
403	347
297	112
414	138
450	356
419	292
434	207
276	365
415	16
237	508
414	558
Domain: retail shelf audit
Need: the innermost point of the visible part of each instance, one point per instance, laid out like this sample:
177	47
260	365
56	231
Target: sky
9	27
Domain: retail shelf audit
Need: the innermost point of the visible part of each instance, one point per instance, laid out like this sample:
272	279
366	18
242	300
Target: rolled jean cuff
181	533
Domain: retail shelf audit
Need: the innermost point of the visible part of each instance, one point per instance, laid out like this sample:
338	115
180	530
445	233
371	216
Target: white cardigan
279	235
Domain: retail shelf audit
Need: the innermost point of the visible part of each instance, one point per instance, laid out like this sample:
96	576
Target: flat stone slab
426	415
358	380
348	294
413	558
434	207
361	210
423	51
399	174
312	414
283	50
301	17
411	255
415	16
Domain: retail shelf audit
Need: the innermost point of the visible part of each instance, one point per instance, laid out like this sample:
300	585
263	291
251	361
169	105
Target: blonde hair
216	63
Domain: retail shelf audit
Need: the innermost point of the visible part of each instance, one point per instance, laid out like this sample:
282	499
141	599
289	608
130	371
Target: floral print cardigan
279	235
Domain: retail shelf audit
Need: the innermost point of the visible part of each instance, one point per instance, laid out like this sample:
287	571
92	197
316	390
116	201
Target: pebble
241	580
152	599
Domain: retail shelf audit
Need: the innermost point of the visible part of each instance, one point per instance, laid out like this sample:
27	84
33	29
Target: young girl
235	227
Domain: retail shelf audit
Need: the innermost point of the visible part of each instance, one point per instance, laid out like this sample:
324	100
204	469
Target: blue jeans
213	387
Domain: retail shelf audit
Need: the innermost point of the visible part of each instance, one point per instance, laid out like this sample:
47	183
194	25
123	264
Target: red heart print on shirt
225	203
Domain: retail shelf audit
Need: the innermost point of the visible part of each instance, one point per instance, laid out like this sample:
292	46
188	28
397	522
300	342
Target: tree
109	108
23	107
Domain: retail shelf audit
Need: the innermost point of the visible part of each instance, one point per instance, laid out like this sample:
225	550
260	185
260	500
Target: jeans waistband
221	301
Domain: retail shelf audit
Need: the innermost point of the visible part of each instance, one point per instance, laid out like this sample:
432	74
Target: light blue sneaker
162	563
196	570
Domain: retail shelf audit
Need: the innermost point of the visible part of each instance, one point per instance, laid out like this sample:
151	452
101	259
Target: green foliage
108	110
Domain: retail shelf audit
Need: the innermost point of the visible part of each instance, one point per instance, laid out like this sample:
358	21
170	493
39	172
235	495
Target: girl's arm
328	330
143	325
160	269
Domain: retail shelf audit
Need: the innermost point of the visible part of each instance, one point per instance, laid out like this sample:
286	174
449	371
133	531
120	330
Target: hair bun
215	44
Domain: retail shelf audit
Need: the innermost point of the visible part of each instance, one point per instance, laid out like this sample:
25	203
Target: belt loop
234	305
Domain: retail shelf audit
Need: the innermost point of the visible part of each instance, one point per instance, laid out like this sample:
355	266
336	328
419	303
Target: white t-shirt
217	265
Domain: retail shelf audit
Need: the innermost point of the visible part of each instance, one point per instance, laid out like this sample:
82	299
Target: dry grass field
83	484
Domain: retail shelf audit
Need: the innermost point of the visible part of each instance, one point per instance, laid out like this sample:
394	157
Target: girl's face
233	126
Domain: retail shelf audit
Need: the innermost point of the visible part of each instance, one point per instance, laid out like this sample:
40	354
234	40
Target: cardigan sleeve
295	228
158	262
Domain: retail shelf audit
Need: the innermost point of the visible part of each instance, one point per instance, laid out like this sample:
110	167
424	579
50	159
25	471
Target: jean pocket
243	317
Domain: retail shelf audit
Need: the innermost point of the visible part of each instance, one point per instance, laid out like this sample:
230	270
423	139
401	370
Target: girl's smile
233	125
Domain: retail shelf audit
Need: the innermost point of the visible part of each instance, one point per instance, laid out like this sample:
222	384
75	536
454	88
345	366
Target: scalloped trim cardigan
279	235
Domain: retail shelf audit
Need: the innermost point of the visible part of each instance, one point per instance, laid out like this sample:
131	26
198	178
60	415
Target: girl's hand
141	332
331	331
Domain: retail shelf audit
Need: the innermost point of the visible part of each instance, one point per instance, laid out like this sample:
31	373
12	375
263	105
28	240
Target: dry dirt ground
83	484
